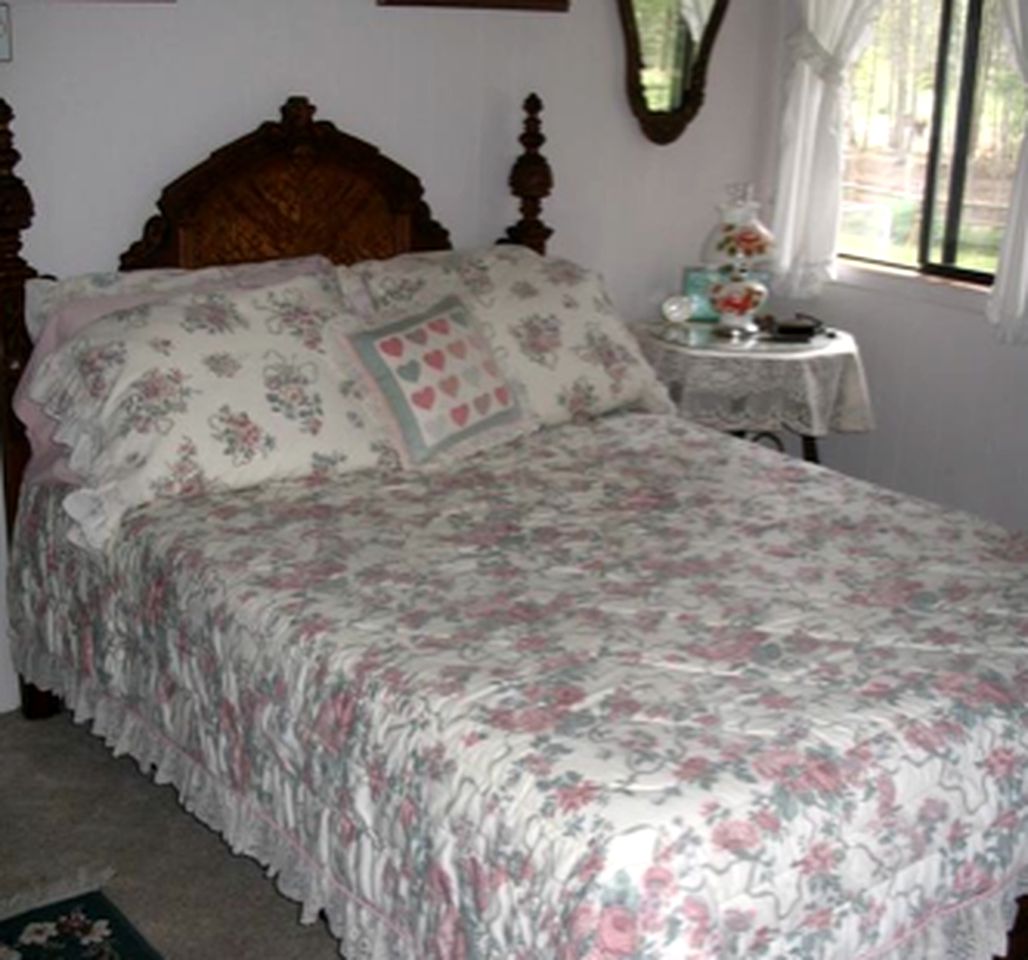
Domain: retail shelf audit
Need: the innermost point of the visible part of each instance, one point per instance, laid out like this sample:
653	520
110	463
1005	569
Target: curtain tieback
806	48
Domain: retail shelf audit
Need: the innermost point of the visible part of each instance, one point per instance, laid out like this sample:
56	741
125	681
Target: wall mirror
667	47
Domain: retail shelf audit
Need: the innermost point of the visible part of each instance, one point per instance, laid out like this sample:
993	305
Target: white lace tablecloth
755	386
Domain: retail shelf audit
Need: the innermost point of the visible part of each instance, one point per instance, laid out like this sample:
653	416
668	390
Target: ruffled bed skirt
243	825
975	932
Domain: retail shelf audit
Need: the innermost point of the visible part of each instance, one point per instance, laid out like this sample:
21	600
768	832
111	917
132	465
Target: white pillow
549	322
206	391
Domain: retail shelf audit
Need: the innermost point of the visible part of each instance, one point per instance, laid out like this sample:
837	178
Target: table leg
810	451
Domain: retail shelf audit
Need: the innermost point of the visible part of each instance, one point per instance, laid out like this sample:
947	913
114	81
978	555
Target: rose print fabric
58	309
209	390
549	321
632	689
47	299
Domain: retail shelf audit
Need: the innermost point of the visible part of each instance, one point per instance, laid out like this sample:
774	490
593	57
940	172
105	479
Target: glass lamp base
737	327
737	301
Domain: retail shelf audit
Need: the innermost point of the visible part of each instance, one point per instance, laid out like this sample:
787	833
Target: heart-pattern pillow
549	322
437	384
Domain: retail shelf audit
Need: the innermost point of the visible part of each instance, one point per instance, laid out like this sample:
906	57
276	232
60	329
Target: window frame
955	189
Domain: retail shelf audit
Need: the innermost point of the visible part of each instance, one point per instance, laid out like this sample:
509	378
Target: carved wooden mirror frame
667	126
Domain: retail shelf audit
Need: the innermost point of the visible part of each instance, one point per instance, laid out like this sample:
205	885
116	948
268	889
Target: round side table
760	386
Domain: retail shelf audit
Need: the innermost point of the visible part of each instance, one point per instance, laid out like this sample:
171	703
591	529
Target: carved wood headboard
292	187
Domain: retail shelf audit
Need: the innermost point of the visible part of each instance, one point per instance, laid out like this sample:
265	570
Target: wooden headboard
292	187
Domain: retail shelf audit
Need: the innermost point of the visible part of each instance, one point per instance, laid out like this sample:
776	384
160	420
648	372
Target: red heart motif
483	403
460	414
393	346
458	349
502	395
450	385
490	367
418	336
435	359
440	325
424	398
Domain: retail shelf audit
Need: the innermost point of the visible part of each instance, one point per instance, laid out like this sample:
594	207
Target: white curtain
1007	307
809	173
696	13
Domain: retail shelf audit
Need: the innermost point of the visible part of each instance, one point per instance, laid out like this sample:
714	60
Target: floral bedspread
626	690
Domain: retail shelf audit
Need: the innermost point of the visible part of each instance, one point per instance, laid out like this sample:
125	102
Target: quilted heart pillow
550	323
206	391
437	384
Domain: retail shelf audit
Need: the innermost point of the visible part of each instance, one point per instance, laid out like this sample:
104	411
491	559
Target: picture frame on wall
553	6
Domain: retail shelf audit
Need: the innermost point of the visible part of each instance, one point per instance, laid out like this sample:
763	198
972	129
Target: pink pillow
49	460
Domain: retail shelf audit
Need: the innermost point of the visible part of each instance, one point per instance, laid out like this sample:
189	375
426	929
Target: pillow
549	322
208	390
416	281
64	307
437	384
45	297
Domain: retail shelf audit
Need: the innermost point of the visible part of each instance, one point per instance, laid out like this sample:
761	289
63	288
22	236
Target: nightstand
759	387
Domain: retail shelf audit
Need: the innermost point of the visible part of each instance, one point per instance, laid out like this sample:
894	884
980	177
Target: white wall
950	399
115	99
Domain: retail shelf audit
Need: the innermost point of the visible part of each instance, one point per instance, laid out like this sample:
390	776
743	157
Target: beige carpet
67	805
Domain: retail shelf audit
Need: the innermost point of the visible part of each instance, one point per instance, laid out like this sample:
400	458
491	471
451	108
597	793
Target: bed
570	678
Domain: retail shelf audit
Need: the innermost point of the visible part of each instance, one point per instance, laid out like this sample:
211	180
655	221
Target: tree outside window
934	121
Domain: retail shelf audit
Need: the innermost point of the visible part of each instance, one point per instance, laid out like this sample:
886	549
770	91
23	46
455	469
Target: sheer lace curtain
1007	307
696	13
809	173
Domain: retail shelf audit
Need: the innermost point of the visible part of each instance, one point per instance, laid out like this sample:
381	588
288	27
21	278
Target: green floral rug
88	927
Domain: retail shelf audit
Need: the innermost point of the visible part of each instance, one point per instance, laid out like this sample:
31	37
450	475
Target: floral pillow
437	384
67	306
205	391
44	298
550	323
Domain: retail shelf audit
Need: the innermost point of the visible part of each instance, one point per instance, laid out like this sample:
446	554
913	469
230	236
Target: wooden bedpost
15	217
531	181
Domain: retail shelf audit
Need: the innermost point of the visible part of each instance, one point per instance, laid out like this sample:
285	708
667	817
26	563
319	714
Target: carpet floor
68	807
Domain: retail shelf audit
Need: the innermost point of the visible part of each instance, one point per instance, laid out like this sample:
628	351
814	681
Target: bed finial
298	113
531	180
16	213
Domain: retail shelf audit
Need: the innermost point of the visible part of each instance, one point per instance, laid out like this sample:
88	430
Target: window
934	120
